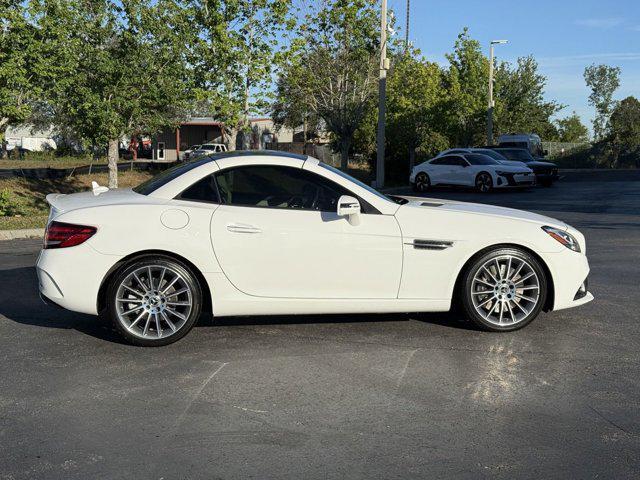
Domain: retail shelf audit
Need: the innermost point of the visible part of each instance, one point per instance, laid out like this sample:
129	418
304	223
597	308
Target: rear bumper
71	277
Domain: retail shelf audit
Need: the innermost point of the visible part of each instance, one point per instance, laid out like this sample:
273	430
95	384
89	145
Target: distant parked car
209	149
189	151
546	172
483	151
529	141
471	170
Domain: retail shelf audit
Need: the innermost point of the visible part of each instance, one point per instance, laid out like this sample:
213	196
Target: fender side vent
431	244
431	204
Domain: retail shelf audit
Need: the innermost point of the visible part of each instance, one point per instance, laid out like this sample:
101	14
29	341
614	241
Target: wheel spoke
506	275
158	327
486	301
490	274
177	314
132	310
138	318
524	297
526	312
164	270
175	279
179	304
517	271
169	322
498	268
150	276
140	282
129	300
513	317
177	292
485	282
527	276
146	325
134	291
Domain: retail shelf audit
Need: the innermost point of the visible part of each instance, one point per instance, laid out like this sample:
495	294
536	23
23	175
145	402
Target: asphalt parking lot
332	397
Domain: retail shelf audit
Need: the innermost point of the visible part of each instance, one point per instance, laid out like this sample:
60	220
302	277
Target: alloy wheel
422	182
153	302
484	182
505	290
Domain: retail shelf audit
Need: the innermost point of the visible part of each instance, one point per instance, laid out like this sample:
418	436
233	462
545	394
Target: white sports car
471	170
272	233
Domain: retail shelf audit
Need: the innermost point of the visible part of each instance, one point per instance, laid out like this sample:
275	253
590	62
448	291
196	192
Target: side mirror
348	206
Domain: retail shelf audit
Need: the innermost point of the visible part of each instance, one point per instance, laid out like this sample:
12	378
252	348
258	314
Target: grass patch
48	160
29	209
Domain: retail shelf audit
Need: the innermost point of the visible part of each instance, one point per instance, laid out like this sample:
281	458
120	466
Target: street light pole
491	102
382	93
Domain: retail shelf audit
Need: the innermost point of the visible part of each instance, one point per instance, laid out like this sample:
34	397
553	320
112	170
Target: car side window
448	160
439	161
274	186
461	162
204	190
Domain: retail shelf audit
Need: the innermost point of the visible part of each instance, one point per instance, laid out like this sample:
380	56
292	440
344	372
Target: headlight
563	237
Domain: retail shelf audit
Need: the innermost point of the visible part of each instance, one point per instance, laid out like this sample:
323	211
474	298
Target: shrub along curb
26	233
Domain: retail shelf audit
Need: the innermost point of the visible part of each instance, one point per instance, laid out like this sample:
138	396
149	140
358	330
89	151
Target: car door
277	234
454	174
437	170
448	165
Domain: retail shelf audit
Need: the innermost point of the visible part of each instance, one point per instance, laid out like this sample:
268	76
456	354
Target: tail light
62	235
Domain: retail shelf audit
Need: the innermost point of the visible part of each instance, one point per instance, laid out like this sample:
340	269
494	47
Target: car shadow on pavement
21	303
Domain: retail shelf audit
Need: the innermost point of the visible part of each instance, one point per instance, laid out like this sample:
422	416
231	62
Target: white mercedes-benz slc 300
471	170
272	233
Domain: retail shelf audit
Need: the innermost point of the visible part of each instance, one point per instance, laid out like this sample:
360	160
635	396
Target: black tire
155	263
422	183
467	287
484	182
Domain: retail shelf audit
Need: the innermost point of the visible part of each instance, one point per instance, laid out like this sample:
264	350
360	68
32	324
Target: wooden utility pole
382	94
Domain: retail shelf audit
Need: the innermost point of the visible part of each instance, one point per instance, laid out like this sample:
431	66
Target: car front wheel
484	182
154	301
423	183
503	290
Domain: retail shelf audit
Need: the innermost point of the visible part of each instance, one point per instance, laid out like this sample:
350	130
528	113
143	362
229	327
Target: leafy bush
8	206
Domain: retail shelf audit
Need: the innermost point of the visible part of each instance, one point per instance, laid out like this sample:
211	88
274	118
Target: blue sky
563	35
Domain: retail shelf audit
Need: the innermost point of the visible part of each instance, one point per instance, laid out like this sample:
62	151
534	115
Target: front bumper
569	271
516	180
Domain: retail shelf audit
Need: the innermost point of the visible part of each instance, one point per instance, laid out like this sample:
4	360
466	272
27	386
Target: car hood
482	209
513	163
61	202
517	167
539	163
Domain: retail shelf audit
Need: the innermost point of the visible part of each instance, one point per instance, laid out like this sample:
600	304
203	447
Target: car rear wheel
503	290
423	182
154	301
484	182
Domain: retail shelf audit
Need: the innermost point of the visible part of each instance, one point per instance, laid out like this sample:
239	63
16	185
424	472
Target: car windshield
478	159
517	154
491	153
363	185
208	146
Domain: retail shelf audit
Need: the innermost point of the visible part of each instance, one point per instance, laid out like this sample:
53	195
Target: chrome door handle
242	228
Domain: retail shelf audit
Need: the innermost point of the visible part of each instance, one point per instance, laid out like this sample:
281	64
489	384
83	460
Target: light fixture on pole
491	102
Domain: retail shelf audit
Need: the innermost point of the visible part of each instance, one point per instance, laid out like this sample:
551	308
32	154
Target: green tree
603	81
115	69
19	66
572	130
415	106
331	71
625	131
466	79
234	52
520	102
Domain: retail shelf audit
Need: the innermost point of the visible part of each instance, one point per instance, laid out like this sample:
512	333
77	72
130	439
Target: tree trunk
345	144
3	144
412	158
113	163
233	138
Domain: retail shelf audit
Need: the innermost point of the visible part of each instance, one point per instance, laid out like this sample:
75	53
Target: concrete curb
26	233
